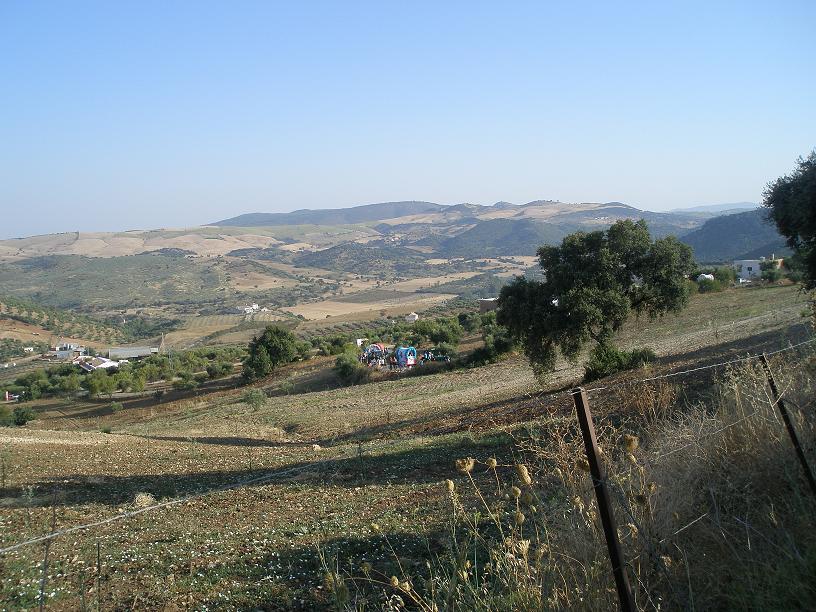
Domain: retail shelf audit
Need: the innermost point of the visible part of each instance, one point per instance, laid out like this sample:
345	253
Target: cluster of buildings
253	308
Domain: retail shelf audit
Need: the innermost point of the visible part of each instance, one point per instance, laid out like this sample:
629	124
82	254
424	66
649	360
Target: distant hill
334	216
384	261
497	237
744	235
719	208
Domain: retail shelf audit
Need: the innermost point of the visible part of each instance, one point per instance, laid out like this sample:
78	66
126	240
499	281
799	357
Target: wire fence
635	584
762	396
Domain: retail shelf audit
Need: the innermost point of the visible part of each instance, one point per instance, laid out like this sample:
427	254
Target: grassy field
331	479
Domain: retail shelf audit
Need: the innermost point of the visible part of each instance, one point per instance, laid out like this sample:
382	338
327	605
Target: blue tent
406	356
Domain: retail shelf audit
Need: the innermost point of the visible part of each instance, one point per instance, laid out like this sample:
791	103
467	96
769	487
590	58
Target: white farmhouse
747	269
412	317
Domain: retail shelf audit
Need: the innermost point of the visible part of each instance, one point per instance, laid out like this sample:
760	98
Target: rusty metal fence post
783	410
604	503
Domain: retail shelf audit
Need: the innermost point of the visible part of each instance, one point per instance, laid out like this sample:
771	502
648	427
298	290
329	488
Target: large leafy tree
275	346
791	200
594	281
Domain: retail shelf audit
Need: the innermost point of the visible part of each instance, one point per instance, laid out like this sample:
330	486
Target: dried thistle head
492	463
518	518
450	485
515	492
523	474
465	465
631	442
394	582
405	586
366	567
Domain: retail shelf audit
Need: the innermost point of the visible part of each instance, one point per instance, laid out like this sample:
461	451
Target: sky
134	115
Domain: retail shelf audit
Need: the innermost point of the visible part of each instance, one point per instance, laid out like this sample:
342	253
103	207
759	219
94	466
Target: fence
611	471
606	488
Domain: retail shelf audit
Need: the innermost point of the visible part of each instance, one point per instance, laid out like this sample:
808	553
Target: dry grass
360	474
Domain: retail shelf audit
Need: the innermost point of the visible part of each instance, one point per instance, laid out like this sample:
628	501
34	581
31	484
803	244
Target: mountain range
428	229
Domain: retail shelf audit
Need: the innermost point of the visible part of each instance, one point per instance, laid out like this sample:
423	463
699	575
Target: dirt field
309	471
334	308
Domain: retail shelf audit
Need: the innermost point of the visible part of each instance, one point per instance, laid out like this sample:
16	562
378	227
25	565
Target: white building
747	269
412	317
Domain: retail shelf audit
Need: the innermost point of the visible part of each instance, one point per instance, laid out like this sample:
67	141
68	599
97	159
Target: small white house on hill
412	317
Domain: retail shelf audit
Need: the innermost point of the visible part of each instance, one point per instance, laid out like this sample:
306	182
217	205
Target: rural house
749	269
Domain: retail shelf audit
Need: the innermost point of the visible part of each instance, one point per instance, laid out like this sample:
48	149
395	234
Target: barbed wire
700	368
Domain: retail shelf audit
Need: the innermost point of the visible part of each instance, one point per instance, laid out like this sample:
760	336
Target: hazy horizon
142	116
212	221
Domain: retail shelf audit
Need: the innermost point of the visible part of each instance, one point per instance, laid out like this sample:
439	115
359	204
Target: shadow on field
291	578
430	463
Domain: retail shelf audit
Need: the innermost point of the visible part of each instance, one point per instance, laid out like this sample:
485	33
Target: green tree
274	347
594	281
124	380
138	383
770	272
68	385
254	398
349	369
99	383
791	202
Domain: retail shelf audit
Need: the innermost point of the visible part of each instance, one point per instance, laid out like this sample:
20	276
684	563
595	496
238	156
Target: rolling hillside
335	216
742	235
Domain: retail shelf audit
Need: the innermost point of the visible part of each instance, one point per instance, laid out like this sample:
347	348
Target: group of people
398	359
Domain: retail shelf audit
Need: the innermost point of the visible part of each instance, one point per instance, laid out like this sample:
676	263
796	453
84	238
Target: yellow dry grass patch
330	308
115	244
417	284
25	332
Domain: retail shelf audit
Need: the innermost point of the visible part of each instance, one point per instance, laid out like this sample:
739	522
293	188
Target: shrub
606	360
254	398
22	415
709	286
116	406
349	369
772	275
105	430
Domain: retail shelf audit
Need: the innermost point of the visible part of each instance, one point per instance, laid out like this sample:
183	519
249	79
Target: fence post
780	403
602	495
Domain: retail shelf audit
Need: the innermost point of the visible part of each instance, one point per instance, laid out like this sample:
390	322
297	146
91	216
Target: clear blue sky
117	115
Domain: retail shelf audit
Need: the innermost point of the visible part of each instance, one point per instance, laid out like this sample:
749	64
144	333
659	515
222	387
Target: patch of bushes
254	398
606	360
350	371
18	417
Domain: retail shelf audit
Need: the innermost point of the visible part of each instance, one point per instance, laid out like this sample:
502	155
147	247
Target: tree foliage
594	281
791	201
274	347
